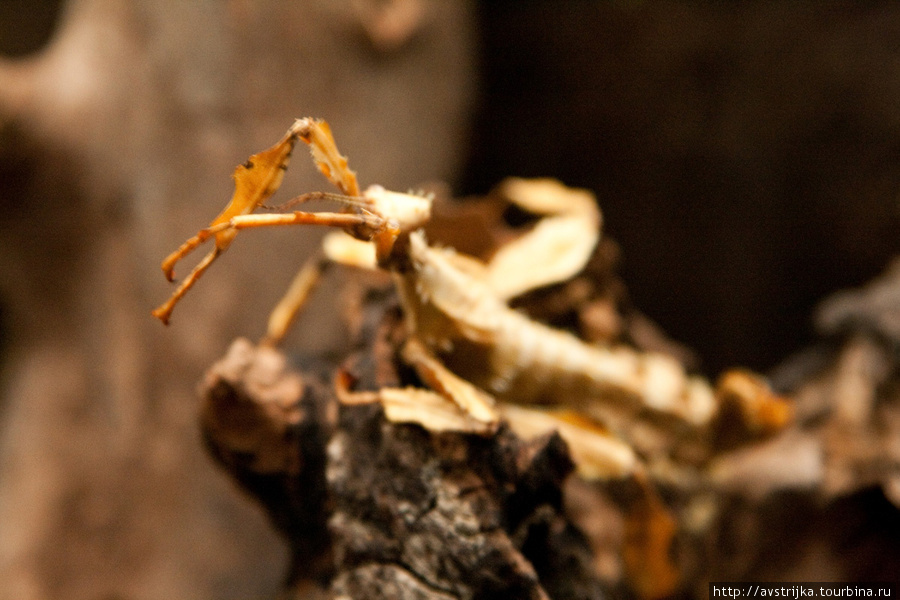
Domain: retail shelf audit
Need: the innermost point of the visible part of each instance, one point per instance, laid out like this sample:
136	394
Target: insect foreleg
164	311
317	135
362	224
368	223
168	265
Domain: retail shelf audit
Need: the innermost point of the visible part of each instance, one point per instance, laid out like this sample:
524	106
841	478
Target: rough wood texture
269	427
409	514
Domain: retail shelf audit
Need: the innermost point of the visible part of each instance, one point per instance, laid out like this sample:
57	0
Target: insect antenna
357	201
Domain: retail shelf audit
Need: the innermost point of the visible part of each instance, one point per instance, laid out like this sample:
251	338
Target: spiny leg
220	226
368	223
317	135
254	182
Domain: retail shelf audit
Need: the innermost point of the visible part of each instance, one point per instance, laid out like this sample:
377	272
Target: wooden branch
379	510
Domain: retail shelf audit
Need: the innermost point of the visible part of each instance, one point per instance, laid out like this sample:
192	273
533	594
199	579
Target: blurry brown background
746	157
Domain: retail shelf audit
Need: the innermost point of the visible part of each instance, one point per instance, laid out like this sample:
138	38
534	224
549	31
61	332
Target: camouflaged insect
481	361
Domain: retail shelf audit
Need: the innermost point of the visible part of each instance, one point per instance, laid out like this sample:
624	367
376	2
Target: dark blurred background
746	157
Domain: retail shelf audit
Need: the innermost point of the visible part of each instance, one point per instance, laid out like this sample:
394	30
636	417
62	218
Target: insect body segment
515	358
464	341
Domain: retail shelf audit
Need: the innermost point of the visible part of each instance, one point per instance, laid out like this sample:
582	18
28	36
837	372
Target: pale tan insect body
465	342
515	358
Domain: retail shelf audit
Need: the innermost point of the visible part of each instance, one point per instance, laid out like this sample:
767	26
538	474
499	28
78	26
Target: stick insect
480	360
